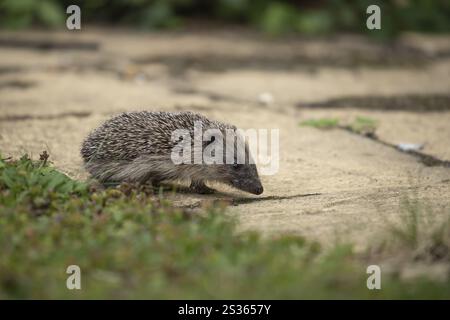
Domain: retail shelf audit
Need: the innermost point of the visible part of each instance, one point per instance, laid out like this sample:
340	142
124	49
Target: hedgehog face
244	177
226	144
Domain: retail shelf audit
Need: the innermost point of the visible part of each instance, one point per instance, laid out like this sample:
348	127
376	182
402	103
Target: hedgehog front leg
155	183
199	186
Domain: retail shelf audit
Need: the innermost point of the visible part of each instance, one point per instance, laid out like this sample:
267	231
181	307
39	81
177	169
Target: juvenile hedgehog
139	146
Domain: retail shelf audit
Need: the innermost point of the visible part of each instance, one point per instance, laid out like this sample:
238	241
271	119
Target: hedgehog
139	147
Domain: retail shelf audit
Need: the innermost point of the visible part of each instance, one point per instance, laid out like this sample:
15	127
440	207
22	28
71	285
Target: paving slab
332	185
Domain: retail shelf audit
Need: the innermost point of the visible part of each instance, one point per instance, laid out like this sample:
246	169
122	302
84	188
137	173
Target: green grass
322	123
132	244
363	126
422	235
360	125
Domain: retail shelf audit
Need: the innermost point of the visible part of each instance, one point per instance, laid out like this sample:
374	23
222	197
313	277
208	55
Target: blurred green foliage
273	17
25	13
131	244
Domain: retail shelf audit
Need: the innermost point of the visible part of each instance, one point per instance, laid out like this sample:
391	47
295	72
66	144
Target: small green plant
322	123
422	233
363	125
35	181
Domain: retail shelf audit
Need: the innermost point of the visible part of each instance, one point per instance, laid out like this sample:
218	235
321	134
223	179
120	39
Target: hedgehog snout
254	187
259	190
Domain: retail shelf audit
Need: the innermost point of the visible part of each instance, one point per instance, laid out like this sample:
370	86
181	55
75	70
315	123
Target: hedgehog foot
201	187
156	185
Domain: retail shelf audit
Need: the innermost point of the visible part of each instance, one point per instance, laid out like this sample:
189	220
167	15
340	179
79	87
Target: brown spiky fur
137	146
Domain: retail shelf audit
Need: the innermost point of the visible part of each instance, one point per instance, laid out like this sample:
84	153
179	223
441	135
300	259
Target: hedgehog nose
259	190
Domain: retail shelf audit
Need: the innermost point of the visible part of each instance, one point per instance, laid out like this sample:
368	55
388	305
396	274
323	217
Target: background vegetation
273	17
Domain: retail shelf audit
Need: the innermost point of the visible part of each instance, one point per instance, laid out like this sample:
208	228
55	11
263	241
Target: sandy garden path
331	185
